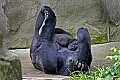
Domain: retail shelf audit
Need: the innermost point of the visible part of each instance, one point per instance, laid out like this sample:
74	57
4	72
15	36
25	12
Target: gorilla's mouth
46	16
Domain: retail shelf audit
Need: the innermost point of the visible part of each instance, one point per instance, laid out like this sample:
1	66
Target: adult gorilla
44	50
45	53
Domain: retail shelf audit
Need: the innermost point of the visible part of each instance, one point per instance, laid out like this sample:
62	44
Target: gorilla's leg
63	39
35	41
46	54
84	49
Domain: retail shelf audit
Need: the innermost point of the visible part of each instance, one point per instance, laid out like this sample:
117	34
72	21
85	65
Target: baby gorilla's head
74	45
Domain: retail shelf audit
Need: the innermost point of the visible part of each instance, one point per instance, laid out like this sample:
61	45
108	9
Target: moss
99	40
10	66
72	31
20	47
23	45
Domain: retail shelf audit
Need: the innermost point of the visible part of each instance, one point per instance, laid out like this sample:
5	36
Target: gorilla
62	37
83	52
67	61
54	50
73	45
61	31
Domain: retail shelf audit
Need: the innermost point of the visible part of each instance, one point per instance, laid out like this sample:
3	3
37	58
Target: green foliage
72	31
115	57
106	73
20	47
100	39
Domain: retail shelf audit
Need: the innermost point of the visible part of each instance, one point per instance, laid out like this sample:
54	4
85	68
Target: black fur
74	45
46	54
67	61
84	50
35	41
47	51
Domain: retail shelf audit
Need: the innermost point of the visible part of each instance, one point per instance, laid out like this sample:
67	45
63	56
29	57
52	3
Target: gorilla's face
70	64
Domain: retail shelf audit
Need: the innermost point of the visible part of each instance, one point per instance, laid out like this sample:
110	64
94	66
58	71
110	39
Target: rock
100	52
101	17
10	66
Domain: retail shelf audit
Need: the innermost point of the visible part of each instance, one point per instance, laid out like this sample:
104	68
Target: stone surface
99	53
10	66
101	17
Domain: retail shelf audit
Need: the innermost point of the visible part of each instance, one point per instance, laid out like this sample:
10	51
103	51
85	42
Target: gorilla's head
70	64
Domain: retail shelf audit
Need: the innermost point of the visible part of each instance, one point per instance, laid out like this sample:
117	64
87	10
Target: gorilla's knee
63	39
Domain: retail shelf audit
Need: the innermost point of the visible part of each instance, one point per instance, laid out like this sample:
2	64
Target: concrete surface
99	53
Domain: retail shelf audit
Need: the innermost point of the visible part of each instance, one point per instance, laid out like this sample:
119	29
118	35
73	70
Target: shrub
106	73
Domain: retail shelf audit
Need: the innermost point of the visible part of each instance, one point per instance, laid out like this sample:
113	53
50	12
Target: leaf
115	57
110	57
118	51
108	77
100	79
113	49
118	57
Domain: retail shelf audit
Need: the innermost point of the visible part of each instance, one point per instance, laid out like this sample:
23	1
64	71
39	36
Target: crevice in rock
7	18
8	26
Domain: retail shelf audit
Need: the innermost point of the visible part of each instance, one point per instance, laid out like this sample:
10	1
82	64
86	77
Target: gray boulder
10	66
101	17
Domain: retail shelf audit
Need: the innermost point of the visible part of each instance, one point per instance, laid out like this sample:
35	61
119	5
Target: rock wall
101	17
10	65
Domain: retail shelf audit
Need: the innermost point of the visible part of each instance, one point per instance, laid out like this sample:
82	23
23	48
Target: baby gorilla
74	45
